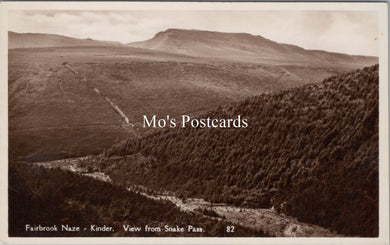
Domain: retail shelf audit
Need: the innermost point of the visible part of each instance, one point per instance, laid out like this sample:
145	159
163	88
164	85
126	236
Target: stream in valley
268	220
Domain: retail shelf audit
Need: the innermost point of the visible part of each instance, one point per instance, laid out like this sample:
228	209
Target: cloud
351	32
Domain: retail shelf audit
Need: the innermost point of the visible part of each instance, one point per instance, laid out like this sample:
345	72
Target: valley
268	220
77	206
306	165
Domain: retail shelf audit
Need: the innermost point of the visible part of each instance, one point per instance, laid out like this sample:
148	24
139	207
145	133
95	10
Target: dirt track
98	92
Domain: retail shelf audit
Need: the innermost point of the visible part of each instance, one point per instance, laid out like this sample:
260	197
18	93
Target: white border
382	11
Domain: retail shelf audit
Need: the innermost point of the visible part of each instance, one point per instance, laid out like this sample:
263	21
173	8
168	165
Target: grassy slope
54	115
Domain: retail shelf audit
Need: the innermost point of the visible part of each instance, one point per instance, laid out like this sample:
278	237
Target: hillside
244	47
36	40
310	152
53	99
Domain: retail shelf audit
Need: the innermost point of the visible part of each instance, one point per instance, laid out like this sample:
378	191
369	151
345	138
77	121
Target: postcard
194	123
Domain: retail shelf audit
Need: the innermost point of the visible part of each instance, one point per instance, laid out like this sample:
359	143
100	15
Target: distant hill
231	46
310	152
242	46
36	40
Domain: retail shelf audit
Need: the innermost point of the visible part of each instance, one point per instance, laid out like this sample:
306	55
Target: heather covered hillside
310	152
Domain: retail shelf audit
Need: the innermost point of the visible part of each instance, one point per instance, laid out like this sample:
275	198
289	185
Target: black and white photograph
203	122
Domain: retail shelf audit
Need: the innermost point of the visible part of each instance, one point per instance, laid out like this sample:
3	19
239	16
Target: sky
351	32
